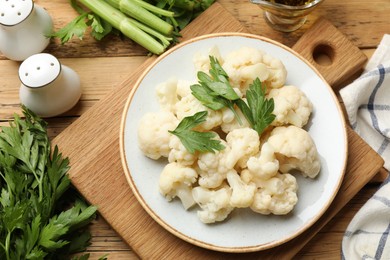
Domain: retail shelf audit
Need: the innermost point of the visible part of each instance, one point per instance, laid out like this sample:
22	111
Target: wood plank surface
364	24
97	173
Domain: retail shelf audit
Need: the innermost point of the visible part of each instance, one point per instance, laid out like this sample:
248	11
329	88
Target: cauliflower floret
183	88
277	195
153	135
213	167
215	204
264	166
243	143
229	120
179	153
166	94
202	61
242	193
295	149
291	106
176	181
189	105
245	65
278	72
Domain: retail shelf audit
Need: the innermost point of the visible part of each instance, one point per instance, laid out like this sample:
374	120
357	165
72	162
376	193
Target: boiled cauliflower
189	106
295	149
291	106
243	143
202	61
183	88
229	120
251	171
242	193
278	72
265	165
247	64
277	195
215	204
179	153
153	135
212	167
166	94
176	181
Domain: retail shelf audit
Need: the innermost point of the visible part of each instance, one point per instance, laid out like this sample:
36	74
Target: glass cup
286	18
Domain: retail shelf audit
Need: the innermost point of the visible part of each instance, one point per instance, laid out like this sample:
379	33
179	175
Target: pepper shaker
23	28
48	88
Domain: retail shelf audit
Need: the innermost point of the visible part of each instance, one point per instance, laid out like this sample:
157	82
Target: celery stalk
164	39
121	22
134	10
154	9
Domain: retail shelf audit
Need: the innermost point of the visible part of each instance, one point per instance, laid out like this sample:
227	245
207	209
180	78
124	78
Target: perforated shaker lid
39	70
13	12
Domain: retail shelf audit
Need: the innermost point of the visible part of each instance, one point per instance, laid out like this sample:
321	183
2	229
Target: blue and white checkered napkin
367	101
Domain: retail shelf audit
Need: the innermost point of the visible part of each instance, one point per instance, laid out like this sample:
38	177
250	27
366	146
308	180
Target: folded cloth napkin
367	102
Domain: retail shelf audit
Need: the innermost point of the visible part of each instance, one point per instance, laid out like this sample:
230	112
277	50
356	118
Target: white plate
244	231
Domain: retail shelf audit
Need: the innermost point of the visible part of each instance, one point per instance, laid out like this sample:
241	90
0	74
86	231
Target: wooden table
103	65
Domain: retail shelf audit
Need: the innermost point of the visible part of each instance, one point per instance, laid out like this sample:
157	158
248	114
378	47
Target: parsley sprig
195	140
259	110
40	218
215	91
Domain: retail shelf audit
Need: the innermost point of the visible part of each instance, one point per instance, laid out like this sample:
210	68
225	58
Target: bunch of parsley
40	218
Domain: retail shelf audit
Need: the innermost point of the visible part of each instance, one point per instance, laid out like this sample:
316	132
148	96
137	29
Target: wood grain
363	23
344	57
351	19
91	143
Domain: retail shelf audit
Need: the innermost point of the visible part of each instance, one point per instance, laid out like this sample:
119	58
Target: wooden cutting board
92	145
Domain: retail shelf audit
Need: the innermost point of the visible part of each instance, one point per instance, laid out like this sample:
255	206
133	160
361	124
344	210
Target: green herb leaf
215	92
81	257
76	27
259	110
194	140
100	28
205	95
80	242
219	80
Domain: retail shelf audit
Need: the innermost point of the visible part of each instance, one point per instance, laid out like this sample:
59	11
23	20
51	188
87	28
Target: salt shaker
23	29
48	88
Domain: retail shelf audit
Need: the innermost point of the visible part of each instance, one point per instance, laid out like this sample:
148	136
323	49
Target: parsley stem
7	244
38	179
40	188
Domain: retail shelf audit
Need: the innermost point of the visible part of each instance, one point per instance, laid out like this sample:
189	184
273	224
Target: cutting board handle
331	53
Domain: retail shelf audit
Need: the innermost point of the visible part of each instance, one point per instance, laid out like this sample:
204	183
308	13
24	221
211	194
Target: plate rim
196	242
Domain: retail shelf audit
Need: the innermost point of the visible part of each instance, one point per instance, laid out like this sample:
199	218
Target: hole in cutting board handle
323	54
